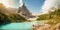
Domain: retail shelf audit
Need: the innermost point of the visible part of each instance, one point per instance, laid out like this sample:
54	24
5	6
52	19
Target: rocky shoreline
46	27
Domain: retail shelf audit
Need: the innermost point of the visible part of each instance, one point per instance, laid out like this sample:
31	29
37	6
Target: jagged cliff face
24	11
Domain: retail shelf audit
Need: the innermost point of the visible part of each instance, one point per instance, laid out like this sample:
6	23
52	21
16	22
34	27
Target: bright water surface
20	26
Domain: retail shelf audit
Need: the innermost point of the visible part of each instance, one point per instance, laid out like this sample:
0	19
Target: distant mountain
3	9
24	11
3	18
12	10
6	16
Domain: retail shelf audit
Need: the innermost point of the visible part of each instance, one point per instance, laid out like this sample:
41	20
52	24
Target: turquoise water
20	26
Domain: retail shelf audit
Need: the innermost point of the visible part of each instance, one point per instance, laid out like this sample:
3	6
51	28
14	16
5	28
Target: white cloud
49	4
10	3
4	2
21	3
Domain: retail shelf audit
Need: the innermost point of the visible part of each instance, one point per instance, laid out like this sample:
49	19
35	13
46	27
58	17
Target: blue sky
39	6
34	6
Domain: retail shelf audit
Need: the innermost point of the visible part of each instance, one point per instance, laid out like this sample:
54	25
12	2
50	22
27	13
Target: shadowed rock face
24	11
